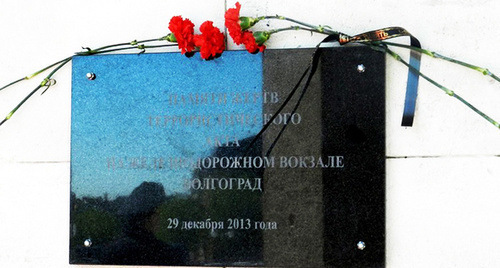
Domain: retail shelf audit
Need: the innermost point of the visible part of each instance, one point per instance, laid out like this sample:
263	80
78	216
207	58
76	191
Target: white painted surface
442	209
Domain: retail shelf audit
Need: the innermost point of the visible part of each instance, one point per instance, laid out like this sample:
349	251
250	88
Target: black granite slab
169	168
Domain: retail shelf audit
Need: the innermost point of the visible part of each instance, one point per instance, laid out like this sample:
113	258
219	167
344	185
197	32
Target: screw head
87	243
361	245
361	68
91	76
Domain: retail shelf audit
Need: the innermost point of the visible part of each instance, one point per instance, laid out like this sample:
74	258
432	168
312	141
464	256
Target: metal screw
361	68
91	76
87	243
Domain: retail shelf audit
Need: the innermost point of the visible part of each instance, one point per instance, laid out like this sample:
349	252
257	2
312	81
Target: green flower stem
445	89
13	83
325	30
315	28
294	28
33	74
42	84
156	46
115	47
104	49
94	51
436	55
142	47
132	43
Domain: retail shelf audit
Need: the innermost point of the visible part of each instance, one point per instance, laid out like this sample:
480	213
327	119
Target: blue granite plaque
168	166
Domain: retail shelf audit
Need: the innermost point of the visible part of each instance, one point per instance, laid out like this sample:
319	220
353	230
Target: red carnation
183	31
250	43
237	26
232	22
210	41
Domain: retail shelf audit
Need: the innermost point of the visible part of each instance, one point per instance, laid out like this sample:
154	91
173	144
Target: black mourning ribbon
370	38
308	74
413	73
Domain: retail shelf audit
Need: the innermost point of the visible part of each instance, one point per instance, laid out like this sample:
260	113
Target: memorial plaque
169	165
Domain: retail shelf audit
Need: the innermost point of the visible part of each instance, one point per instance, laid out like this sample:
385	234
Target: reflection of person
139	246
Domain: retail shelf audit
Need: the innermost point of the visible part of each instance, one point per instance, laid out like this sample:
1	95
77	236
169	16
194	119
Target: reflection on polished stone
168	166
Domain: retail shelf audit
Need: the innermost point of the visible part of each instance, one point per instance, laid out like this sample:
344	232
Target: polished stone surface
167	167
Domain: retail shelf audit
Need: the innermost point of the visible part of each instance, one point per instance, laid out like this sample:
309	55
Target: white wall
443	175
